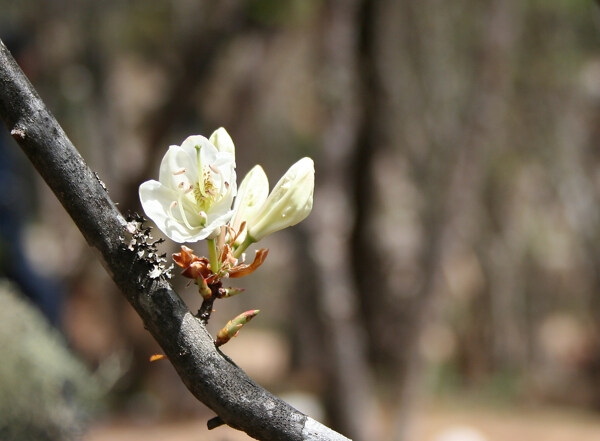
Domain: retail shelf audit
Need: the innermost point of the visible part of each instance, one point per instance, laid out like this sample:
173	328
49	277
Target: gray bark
350	385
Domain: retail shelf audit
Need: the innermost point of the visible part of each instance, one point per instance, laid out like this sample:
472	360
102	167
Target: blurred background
446	286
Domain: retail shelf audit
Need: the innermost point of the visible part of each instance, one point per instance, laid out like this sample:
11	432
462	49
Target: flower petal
177	166
156	200
191	142
214	224
252	193
222	141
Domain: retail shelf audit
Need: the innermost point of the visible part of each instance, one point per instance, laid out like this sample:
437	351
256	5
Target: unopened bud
230	292
252	194
289	203
232	327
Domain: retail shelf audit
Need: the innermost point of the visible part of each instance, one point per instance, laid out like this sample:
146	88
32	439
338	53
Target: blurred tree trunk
366	258
577	167
348	375
393	40
480	214
490	125
427	99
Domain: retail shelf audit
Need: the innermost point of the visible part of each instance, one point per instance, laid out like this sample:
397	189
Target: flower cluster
192	199
197	198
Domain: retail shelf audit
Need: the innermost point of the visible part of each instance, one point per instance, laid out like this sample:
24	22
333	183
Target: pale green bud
289	203
232	328
252	194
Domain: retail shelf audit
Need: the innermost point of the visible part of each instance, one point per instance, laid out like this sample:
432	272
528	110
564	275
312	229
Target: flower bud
230	292
252	194
232	328
289	203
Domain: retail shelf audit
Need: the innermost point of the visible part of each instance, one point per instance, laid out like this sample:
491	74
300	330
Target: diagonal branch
208	374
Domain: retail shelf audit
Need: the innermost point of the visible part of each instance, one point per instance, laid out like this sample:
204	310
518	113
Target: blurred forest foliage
454	245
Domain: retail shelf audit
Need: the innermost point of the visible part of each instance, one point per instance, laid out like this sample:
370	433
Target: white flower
193	195
252	193
289	203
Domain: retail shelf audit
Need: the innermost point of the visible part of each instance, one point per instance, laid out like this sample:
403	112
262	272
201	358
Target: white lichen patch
138	239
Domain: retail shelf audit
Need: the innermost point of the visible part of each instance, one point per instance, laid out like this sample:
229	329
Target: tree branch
212	377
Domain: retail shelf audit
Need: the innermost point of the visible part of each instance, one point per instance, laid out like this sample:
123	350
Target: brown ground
436	423
508	425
